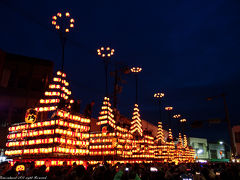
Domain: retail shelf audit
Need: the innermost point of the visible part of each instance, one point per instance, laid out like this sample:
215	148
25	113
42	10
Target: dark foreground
210	171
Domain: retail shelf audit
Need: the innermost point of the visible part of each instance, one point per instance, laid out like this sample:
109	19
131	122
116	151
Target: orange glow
67	14
183	120
168	108
136	69
136	124
67	135
105	52
159	95
176	116
20	168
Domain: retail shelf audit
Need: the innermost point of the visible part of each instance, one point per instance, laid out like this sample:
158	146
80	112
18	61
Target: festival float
53	133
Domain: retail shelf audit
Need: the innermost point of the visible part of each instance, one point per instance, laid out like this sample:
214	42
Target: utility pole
229	124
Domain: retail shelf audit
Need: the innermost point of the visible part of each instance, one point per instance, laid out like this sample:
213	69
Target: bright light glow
183	120
57	24
59	14
220	142
136	69
159	95
176	116
199	151
105	52
168	108
67	14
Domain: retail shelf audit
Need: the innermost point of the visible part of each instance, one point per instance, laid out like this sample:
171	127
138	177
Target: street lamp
105	54
158	97
226	144
169	109
136	70
63	23
199	151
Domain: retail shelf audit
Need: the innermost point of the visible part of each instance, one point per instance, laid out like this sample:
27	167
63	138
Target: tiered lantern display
113	141
143	148
60	135
187	153
160	147
179	150
106	118
136	124
169	148
143	145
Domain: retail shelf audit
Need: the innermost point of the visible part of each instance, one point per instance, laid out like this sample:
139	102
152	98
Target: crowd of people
143	171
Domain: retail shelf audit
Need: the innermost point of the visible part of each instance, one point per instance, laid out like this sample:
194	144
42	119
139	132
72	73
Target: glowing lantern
20	168
114	142
104	129
31	116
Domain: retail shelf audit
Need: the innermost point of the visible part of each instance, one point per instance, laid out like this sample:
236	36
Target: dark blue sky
188	49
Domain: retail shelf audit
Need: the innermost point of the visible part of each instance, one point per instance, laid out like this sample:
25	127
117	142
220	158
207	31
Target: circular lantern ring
105	52
136	69
159	95
63	22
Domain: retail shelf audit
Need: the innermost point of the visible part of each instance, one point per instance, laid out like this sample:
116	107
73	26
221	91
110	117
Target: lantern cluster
136	69
105	52
106	114
159	95
66	134
136	124
63	22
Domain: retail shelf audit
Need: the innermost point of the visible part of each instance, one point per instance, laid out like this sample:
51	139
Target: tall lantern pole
63	23
158	97
169	109
136	70
183	122
177	116
105	54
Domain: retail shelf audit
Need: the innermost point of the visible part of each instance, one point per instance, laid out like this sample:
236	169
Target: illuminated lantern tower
179	151
60	136
160	148
136	124
170	148
113	142
106	116
186	152
160	135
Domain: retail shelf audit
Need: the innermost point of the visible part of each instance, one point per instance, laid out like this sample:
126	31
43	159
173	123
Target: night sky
188	49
